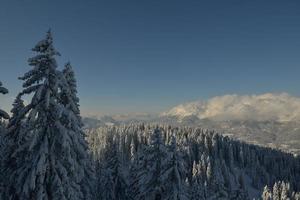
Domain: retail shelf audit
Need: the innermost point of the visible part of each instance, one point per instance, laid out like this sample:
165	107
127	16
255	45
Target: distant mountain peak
270	106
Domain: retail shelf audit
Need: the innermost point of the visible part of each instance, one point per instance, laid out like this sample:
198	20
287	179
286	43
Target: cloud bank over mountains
270	106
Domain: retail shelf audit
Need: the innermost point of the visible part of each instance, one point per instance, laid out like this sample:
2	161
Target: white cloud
281	107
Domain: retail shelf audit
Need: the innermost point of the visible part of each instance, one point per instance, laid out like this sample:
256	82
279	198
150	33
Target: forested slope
153	162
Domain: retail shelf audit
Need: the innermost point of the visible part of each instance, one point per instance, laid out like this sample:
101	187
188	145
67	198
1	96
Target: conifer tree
284	191
72	120
174	174
276	191
132	151
50	162
115	169
18	106
137	172
3	114
152	186
17	114
12	140
69	96
196	188
106	185
267	194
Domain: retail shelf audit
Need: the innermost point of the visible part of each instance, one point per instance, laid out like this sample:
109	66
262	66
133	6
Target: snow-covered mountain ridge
279	107
271	120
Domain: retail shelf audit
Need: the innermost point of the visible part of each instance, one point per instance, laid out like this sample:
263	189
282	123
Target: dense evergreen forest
46	155
163	162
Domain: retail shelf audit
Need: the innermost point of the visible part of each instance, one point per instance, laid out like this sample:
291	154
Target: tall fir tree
196	187
50	161
115	170
69	97
137	172
17	114
73	121
174	174
151	180
276	191
3	114
267	194
12	140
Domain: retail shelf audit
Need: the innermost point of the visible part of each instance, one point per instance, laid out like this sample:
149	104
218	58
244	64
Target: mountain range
271	120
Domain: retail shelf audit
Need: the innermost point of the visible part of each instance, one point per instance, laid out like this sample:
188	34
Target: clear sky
147	56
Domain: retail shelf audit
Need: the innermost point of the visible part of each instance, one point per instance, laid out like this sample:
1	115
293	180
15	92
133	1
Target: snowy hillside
271	120
164	162
279	135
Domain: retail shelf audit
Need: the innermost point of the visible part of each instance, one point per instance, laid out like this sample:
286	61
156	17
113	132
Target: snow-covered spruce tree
132	152
12	138
51	159
267	194
72	120
285	190
281	191
217	181
196	186
174	174
3	114
69	97
276	191
136	172
151	181
114	172
105	184
240	193
17	110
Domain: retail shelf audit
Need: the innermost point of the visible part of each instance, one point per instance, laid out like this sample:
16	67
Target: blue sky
147	56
